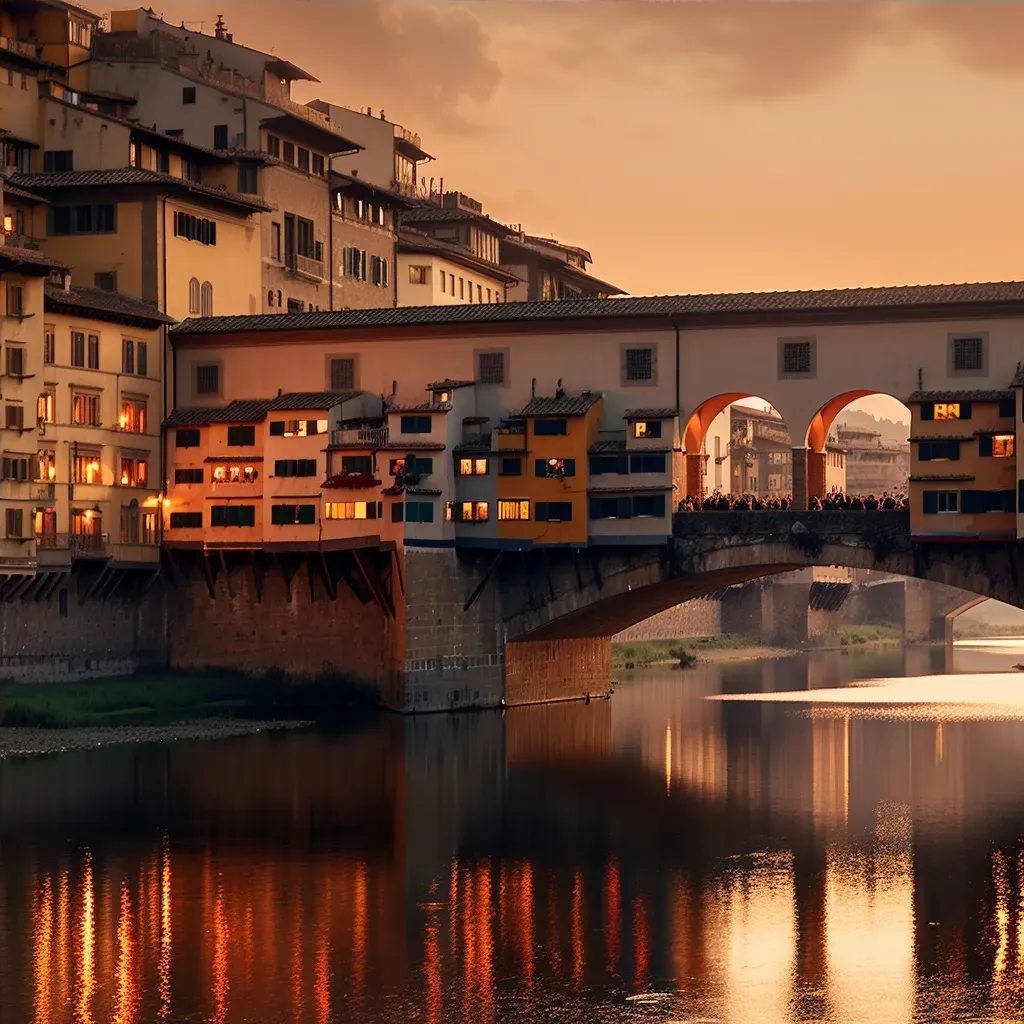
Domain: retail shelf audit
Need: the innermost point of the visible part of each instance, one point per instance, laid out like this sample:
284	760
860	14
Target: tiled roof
240	411
946	478
21	193
976	395
431	214
540	240
427	492
569	405
481	447
412	241
650	414
422	446
311	400
943	437
619	448
449	385
617	488
1018	377
135	176
29	261
394	199
104	305
422	407
668	307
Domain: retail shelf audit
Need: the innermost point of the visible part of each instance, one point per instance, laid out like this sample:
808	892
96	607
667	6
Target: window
467	511
85	410
647	463
195	229
491	367
133	415
247	178
13	468
163	161
304	237
357	464
106	280
354	509
553	512
241	437
235	474
188	476
59	160
648	505
79	33
412	465
469	286
610	508
510	467
451	285
134	472
15	360
194	296
647	429
550	428
295	467
415	424
233	515
473	467
421	275
206	299
14	417
968	354
419	511
49	346
13	522
127	356
796	357
288	152
982	502
137	526
379	271
186	438
1000	446
397	510
46	464
297	428
343	374
514	509
293	515
557	468
1007	408
480	293
142	359
303	159
186	520
938	451
46	406
15	300
191	170
275	240
602	464
462	288
220	136
274	146
93	351
637	364
208	380
188	94
950	411
78	220
319	165
85	469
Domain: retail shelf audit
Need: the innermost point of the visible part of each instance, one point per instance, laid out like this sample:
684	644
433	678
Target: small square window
208	380
639	364
968	354
796	357
491	367
188	94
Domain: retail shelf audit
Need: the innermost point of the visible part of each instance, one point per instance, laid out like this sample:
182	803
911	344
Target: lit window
134	472
352	509
133	416
467	511
644	429
518	508
1003	445
473	467
947	410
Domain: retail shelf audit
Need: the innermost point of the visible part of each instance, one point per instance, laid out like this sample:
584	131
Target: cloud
424	63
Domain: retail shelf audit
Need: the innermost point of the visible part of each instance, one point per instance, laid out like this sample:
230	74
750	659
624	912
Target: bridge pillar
539	671
800	491
694	476
815	473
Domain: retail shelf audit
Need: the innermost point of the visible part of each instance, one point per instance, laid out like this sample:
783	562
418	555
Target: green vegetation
162	698
852	636
974	630
643	654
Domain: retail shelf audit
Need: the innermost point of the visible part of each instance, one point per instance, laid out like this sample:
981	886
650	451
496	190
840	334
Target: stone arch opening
861	459
738	443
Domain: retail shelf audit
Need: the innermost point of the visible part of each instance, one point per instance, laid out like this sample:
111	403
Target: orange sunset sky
697	146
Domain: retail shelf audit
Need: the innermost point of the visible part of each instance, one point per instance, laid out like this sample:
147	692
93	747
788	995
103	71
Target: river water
660	856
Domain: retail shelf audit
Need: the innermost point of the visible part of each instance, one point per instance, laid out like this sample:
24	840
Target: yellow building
551	492
963	471
95	425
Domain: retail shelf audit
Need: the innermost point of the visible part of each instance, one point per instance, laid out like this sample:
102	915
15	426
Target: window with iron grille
207	380
969	355
491	367
797	357
639	364
343	374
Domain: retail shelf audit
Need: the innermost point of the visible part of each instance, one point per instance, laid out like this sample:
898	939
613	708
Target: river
660	857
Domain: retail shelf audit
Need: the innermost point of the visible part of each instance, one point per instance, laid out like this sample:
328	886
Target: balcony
46	491
22	241
309	266
361	437
23	49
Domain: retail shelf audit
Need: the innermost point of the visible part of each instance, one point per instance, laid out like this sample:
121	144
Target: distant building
549	270
874	466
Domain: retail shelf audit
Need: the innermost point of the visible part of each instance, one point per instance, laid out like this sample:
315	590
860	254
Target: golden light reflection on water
164	956
221	982
126	993
43	926
87	969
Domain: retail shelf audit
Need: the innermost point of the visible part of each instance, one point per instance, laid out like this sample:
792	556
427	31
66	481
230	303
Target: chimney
218	29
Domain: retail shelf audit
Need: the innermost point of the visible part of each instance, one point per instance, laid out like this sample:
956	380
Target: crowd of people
836	501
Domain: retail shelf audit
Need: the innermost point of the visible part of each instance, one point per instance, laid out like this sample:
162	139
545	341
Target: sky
696	146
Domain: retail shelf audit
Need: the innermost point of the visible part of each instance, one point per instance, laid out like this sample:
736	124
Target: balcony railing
22	241
408	136
46	491
32	50
53	541
309	265
372	437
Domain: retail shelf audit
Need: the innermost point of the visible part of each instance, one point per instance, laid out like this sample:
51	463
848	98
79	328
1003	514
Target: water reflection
659	856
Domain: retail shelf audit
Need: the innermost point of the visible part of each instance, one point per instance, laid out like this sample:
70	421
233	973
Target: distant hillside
891	431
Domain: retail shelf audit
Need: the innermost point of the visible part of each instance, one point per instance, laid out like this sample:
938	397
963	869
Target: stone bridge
557	610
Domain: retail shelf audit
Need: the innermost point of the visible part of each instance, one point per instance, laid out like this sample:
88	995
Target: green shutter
277	428
931	503
541	467
307	515
541	511
985	445
927	411
965	410
570	467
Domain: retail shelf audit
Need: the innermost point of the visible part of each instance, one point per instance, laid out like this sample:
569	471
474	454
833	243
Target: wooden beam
149	581
101	577
22	587
227	572
332	590
208	573
398	569
479	589
311	574
257	574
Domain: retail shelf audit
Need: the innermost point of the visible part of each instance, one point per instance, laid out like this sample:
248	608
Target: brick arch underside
629	597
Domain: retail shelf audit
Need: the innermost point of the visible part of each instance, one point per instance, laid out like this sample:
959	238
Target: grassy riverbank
163	698
856	636
643	654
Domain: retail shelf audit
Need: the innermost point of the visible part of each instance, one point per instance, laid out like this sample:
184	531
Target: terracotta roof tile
569	405
13	257
240	411
311	400
973	395
650	414
104	305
